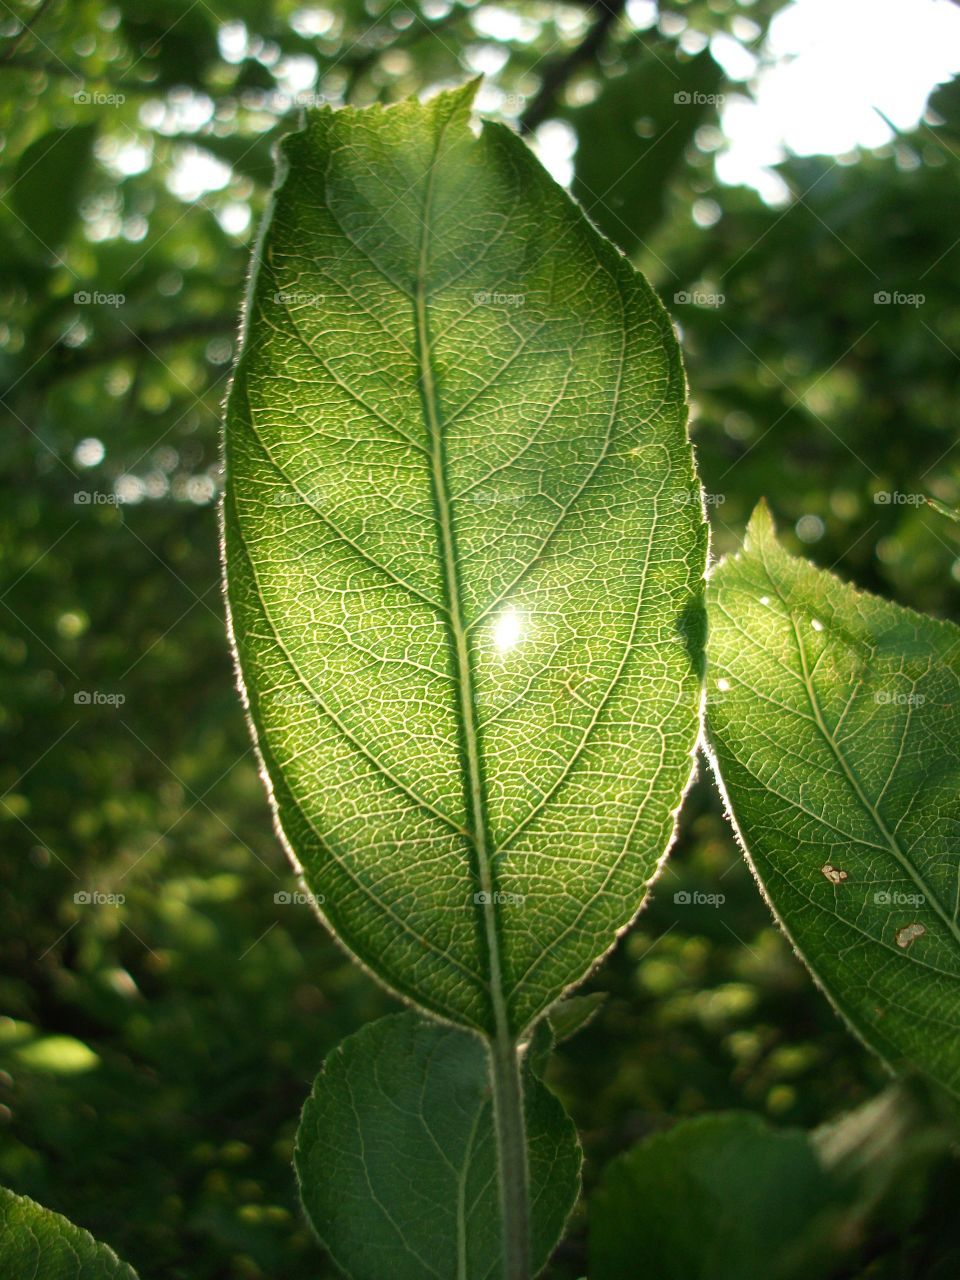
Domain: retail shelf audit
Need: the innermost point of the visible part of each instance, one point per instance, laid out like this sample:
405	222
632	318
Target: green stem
512	1157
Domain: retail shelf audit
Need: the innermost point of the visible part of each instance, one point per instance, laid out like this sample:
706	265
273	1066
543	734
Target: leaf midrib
470	764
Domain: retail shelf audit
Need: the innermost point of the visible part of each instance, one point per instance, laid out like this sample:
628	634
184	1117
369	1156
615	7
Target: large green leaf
464	549
834	720
397	1161
37	1244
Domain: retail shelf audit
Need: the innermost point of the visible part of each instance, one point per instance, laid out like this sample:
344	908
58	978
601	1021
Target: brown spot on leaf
909	933
833	874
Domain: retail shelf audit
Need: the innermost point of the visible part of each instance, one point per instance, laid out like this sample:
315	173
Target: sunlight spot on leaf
507	630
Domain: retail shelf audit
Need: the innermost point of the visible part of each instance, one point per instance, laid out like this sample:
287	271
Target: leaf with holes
834	722
464	551
40	1244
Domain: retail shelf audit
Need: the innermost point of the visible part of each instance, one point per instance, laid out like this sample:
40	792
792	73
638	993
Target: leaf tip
450	103
761	530
942	509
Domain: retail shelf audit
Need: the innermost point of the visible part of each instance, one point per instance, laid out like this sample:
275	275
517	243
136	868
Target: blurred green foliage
156	1050
729	1196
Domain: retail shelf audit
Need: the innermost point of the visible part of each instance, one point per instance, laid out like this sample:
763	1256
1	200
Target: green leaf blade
718	1197
464	550
834	723
396	1158
40	1244
728	1196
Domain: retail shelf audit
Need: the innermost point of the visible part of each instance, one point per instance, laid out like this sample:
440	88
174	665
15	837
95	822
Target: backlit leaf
464	550
834	718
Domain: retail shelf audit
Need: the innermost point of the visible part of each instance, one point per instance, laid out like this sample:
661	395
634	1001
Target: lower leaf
716	1198
38	1244
397	1161
729	1197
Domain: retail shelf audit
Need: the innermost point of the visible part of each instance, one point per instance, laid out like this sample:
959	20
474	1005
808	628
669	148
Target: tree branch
25	31
558	72
65	362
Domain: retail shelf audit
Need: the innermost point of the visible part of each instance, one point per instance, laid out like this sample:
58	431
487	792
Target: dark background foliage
155	1052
